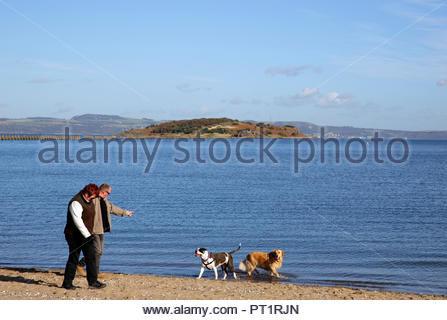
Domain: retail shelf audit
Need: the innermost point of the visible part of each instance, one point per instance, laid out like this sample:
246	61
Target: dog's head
276	255
202	253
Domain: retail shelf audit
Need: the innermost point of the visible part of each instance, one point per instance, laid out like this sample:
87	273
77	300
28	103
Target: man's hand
129	213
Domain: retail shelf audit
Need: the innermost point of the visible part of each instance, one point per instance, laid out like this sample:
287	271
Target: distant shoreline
111	125
74	138
40	284
31	137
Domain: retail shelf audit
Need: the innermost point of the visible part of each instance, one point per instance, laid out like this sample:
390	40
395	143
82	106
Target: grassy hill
214	128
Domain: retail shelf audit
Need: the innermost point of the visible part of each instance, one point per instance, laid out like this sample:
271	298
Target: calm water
362	225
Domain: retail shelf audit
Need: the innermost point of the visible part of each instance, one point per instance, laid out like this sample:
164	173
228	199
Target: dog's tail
240	245
243	265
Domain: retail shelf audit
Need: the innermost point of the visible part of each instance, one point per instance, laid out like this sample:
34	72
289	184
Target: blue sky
376	64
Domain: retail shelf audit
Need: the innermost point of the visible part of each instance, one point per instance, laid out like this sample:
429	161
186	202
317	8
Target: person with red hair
102	224
78	234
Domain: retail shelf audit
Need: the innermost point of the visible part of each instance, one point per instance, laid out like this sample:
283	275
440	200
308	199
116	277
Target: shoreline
41	284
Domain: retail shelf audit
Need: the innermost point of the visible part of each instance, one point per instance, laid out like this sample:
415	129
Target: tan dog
269	261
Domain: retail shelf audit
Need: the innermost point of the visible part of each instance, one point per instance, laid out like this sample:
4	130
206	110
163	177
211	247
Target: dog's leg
231	267
224	270
215	273
249	268
201	272
274	272
252	267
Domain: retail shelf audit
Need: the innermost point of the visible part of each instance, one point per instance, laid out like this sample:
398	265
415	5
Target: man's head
104	190
90	192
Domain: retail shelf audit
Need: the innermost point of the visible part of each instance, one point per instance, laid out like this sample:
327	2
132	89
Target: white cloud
302	98
334	100
307	92
442	82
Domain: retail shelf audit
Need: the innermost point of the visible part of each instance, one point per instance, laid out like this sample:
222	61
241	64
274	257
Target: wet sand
37	284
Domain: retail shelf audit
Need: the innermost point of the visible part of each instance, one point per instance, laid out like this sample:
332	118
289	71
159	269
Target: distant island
111	125
213	128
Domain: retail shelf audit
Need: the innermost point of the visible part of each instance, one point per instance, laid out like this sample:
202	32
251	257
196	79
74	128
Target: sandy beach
37	284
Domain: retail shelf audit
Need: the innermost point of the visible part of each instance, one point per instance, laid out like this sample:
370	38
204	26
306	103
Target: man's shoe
80	270
68	286
97	285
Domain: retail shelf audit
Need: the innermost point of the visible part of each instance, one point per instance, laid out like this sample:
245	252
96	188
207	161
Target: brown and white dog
269	261
212	261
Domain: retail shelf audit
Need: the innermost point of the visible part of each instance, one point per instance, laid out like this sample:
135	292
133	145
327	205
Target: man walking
78	234
102	223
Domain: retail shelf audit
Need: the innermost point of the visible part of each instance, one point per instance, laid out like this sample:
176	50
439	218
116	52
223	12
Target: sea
355	213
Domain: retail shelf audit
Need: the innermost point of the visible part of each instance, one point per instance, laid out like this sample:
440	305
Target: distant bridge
31	137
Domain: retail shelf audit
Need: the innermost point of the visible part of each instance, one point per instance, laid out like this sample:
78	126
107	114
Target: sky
374	64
